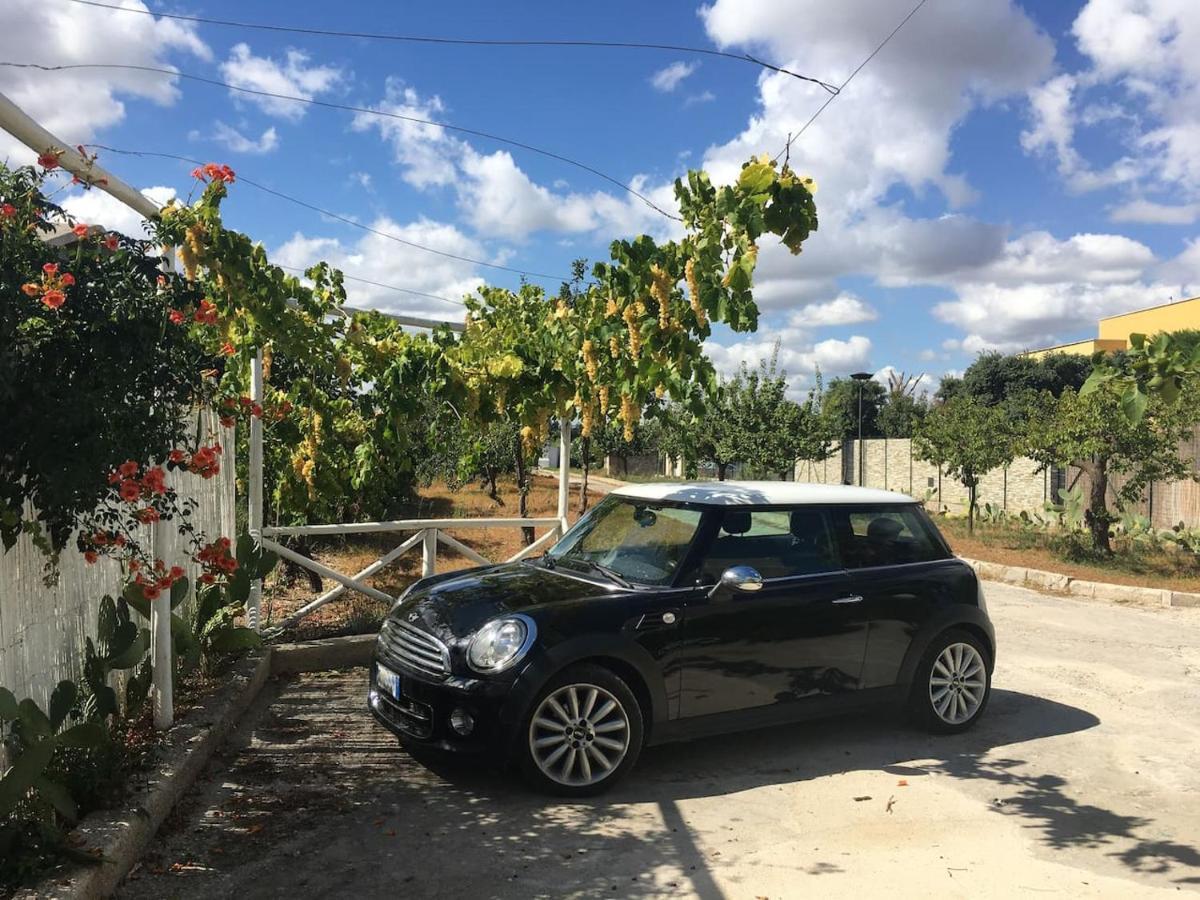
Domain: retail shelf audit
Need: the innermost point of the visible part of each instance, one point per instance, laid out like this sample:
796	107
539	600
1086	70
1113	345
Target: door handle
853	598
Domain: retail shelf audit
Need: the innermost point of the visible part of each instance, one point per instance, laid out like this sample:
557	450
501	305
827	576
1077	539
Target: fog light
462	722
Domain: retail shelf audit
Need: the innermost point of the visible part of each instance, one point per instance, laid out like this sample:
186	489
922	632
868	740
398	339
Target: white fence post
255	486
162	673
564	471
429	552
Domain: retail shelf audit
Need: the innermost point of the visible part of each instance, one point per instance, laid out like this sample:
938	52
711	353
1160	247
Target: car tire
952	683
582	733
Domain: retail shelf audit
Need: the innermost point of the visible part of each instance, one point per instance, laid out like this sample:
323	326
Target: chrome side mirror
744	579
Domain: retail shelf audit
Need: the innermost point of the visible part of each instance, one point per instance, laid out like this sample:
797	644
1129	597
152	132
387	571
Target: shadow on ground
315	798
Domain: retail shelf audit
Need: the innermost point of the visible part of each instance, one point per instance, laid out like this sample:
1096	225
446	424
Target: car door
801	636
904	574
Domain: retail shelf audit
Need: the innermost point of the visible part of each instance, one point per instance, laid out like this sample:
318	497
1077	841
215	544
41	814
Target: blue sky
999	176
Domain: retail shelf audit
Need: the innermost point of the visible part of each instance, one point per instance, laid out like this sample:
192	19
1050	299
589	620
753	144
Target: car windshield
629	540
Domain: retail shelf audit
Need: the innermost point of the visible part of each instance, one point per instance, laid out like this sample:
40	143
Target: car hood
455	606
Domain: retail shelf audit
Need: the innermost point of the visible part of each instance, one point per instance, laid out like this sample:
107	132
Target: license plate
388	681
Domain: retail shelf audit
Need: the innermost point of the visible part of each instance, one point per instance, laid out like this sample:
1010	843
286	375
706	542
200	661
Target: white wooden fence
42	629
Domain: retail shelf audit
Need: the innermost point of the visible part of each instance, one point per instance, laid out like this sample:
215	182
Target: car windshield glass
641	542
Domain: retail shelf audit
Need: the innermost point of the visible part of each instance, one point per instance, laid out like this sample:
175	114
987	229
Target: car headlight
500	643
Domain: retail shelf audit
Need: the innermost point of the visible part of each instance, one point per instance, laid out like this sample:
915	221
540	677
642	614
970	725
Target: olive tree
966	438
1094	433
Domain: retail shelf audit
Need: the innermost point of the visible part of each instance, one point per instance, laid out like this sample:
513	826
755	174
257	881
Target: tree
966	439
903	408
840	407
996	378
1093	433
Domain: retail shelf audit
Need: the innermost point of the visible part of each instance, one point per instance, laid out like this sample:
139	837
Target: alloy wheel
579	735
957	683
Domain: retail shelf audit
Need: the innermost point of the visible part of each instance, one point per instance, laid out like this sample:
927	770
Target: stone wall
889	463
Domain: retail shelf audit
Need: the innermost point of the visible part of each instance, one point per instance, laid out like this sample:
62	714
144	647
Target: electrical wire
833	96
364	110
378	284
470	42
337	216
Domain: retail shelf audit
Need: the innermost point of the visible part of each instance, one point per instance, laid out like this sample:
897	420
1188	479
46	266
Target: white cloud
376	258
427	154
236	142
1151	213
77	105
1043	291
894	123
670	77
1141	78
95	207
294	77
844	309
796	355
702	97
494	193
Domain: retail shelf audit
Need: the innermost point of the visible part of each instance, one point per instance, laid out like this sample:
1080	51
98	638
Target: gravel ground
1082	780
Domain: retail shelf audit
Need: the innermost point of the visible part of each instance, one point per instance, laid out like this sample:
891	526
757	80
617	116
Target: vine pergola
635	331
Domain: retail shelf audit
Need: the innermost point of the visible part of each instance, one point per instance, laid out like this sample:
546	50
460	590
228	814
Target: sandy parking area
1082	780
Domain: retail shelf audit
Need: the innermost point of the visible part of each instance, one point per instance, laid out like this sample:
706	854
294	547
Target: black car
673	611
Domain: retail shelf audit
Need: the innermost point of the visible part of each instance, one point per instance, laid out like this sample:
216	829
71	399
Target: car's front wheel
583	733
952	684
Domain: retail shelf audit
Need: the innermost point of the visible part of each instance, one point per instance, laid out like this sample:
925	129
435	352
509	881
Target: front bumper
422	713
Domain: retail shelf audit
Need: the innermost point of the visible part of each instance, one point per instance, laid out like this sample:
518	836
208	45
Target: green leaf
231	640
267	561
134	652
1094	381
179	591
238	590
756	177
85	736
34	719
61	702
1133	404
26	770
137	600
57	796
8	705
138	689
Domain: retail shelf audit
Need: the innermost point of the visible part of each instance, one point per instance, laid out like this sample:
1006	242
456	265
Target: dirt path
1081	781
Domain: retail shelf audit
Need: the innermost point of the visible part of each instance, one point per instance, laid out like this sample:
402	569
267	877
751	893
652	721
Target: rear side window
778	543
882	536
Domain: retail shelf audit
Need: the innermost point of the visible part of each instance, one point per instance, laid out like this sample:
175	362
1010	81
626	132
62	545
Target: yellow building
1114	331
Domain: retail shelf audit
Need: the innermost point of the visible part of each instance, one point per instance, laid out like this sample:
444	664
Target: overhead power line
364	110
339	217
841	87
469	42
378	284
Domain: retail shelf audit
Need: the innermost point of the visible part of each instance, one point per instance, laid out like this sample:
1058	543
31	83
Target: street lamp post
862	378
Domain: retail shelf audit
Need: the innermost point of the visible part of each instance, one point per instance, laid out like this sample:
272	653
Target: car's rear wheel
952	684
583	732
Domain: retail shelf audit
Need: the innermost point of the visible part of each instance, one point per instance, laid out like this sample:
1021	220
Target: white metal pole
254	508
162	674
564	470
429	552
18	123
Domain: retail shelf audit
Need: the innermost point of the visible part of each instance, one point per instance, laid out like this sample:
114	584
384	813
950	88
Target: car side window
778	543
882	536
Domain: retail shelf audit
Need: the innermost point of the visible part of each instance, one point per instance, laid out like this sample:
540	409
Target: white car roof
757	493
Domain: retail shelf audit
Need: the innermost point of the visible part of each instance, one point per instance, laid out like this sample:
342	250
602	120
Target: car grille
414	649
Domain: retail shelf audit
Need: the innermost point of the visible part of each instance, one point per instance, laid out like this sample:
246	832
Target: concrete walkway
1081	781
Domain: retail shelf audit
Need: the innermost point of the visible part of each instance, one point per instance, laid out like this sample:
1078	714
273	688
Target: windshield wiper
604	570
